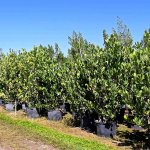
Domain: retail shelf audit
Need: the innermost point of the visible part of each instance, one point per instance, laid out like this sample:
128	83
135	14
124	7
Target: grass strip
55	138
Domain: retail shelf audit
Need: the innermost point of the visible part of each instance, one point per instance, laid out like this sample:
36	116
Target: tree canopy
90	77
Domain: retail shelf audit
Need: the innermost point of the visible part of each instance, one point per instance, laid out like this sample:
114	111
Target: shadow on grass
135	139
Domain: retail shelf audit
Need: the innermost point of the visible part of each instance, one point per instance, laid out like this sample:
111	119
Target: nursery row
90	77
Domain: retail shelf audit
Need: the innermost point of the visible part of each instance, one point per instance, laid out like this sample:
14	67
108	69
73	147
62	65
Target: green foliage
68	120
90	77
138	121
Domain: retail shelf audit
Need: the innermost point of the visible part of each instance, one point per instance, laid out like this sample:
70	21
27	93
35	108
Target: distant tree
123	32
78	45
1	53
146	39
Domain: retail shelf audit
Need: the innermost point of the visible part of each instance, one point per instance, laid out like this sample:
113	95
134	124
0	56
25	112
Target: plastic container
1	102
54	115
32	113
9	107
107	132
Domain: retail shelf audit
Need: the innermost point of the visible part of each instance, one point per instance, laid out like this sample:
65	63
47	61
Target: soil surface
12	138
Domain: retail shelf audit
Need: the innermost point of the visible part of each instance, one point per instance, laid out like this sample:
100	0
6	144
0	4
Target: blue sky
25	23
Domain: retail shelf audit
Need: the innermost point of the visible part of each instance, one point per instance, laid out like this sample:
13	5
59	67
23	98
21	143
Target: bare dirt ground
12	138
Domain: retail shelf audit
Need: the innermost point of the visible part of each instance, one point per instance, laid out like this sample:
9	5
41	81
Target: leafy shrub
138	121
68	120
3	97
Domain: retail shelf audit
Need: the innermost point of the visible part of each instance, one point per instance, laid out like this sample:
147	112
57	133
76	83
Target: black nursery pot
32	113
55	115
104	130
9	107
1	102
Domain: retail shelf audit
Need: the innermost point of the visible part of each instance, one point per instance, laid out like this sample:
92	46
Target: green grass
57	139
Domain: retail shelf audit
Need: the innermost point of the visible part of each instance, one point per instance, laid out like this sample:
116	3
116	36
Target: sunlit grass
52	136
